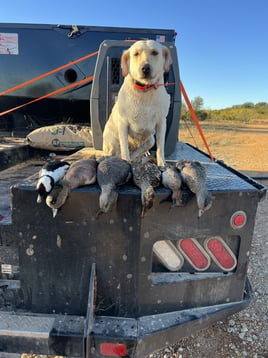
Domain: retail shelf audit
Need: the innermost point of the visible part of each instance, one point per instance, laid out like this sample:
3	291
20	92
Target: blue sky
222	44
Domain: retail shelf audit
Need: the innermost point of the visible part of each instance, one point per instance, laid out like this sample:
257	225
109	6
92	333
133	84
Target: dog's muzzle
146	70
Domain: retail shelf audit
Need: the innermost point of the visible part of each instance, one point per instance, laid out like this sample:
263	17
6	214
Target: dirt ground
244	148
244	334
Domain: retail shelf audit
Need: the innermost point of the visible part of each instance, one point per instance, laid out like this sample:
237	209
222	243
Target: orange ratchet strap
87	79
195	119
49	73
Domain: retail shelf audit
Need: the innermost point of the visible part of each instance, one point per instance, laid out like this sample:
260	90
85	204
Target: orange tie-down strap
66	88
49	73
194	117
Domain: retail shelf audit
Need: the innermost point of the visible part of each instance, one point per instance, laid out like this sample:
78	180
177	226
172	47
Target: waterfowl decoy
146	176
81	172
171	179
51	173
194	177
111	172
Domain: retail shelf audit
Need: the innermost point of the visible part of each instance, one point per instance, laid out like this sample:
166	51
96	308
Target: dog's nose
146	69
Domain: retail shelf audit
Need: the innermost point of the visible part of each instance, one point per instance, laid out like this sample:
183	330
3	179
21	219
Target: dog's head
146	61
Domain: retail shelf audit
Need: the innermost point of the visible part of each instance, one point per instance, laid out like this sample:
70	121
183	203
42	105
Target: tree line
245	112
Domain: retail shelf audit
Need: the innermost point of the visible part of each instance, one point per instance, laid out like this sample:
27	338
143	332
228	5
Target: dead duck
111	172
146	176
194	177
53	171
171	179
81	172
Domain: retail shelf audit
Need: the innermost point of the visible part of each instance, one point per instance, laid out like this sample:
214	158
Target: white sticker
9	43
7	269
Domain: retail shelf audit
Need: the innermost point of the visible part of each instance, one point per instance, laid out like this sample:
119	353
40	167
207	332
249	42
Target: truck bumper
100	336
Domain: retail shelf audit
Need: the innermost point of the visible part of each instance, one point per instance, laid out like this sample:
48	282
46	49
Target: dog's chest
143	121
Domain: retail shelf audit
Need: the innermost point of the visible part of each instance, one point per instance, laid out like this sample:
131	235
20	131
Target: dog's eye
136	54
154	53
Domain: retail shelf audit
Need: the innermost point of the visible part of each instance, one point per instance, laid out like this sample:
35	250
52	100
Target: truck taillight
238	219
220	253
113	349
194	254
168	255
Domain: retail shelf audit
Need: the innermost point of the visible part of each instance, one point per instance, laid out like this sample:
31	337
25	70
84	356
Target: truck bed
101	273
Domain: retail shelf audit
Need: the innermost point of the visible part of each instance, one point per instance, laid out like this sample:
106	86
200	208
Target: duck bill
39	199
143	212
200	213
99	213
54	212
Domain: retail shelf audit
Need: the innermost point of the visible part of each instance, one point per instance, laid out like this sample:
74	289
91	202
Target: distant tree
185	114
201	115
236	106
261	104
197	103
248	105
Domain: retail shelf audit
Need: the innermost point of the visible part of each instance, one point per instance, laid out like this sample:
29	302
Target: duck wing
147	172
113	171
81	172
193	174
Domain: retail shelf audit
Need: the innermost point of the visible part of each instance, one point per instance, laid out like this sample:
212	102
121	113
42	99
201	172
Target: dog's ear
167	57
125	63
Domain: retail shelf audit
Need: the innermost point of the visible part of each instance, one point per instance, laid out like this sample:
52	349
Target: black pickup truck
119	285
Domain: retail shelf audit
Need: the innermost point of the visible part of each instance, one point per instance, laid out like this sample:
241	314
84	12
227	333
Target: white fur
56	174
139	115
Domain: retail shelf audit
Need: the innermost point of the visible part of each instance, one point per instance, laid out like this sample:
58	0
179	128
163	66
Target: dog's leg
110	144
123	141
143	148
160	142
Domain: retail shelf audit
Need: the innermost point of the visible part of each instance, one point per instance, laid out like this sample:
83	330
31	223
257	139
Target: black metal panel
162	292
56	254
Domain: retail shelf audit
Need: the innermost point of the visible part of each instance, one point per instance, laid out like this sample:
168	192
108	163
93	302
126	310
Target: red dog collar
143	87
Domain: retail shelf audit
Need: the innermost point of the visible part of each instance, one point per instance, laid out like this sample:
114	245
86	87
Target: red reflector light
238	219
221	253
194	254
113	349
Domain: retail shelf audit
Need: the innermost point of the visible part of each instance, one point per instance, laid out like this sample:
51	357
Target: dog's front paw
161	162
125	157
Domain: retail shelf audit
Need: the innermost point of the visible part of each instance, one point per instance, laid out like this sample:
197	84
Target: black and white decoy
111	172
146	176
48	176
81	172
194	177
